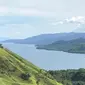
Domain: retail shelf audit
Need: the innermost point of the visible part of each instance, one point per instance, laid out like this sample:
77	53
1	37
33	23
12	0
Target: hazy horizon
21	19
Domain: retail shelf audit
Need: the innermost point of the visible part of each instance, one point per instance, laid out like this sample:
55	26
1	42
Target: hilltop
14	70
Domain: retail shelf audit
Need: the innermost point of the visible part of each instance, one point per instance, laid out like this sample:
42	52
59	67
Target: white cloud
23	12
56	23
25	8
75	19
59	8
61	22
78	25
4	10
17	33
29	12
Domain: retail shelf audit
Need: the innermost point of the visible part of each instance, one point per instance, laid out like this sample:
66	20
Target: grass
12	66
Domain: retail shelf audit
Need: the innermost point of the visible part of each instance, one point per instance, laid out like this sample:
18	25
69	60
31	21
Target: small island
72	46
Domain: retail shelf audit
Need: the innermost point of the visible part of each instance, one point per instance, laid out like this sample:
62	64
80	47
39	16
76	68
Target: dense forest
70	76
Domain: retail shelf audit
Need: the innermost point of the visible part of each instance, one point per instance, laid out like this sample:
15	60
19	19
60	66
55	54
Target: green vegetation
69	77
72	46
1	46
14	70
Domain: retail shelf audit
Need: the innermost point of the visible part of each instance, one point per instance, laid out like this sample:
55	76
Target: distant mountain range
77	23
3	38
47	38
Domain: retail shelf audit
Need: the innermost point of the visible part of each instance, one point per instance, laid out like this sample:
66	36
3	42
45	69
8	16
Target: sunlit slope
14	70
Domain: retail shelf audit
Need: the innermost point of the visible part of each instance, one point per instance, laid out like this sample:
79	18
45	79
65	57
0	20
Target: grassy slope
12	66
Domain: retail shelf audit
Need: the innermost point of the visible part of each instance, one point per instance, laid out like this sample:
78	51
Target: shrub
25	76
1	46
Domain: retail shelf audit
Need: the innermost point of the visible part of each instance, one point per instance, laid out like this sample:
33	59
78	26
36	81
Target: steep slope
14	70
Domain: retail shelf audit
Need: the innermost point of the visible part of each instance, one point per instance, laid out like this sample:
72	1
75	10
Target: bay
49	60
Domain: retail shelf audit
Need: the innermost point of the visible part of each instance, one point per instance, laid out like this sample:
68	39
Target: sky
25	18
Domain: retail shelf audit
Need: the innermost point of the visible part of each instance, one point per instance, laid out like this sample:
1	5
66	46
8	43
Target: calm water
48	59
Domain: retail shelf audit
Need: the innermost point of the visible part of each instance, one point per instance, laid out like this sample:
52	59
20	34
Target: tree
1	46
25	76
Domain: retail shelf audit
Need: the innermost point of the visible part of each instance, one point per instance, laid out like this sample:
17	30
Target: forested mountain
71	46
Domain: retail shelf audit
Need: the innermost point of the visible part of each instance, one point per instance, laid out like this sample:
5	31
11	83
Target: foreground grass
12	66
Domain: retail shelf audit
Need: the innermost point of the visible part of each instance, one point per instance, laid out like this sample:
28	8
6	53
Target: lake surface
48	59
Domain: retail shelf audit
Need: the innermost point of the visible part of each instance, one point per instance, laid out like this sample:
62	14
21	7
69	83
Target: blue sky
25	18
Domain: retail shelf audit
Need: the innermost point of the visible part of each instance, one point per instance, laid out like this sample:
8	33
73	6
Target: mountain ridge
47	38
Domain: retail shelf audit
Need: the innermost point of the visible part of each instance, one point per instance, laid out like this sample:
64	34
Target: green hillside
15	70
71	46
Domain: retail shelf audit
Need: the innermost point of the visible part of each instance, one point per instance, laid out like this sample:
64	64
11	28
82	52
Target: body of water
48	59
